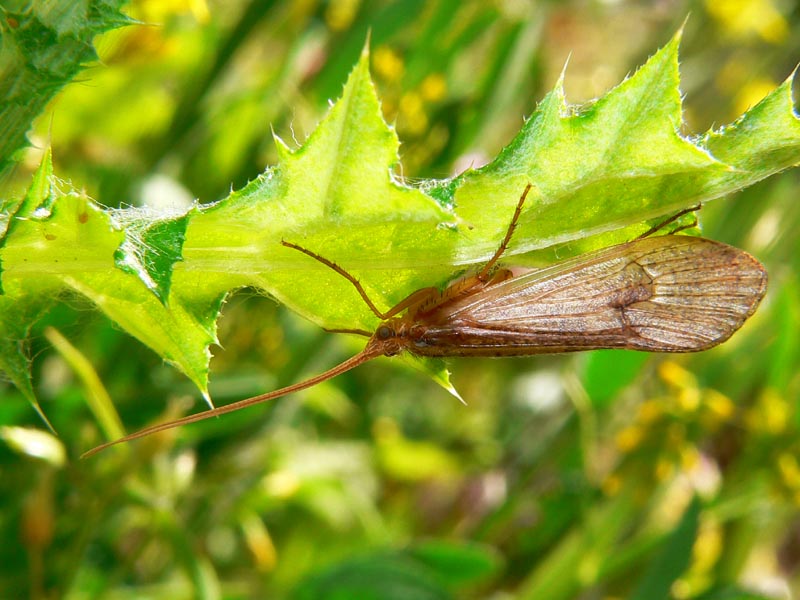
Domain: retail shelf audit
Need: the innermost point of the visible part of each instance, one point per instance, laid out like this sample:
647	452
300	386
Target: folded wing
661	294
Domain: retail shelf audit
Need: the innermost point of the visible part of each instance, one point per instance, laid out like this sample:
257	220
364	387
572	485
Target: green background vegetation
601	475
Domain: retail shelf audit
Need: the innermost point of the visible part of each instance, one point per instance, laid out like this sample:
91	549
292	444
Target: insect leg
688	225
672	219
359	288
483	275
363	332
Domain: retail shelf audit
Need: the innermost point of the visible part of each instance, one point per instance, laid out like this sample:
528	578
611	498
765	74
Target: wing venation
668	294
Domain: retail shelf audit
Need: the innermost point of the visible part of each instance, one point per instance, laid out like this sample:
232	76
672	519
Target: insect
670	293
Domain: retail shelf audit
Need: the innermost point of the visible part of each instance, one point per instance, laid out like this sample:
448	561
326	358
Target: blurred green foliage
565	477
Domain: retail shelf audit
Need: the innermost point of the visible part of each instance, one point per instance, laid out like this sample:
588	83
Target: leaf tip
363	60
453	391
667	55
786	89
367	42
679	34
559	87
38	408
443	379
789	84
284	151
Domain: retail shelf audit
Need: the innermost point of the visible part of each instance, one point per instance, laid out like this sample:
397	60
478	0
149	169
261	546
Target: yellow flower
690	457
770	415
433	88
689	399
675	375
719	405
412	111
629	438
743	18
387	64
340	14
650	412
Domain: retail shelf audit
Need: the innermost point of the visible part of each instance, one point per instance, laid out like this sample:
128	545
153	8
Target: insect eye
385	332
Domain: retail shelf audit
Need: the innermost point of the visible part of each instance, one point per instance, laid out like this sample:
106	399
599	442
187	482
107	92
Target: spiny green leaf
44	45
600	174
74	247
20	310
762	142
605	167
335	196
152	246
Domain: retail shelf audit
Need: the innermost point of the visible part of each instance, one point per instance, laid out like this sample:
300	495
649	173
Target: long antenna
368	353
